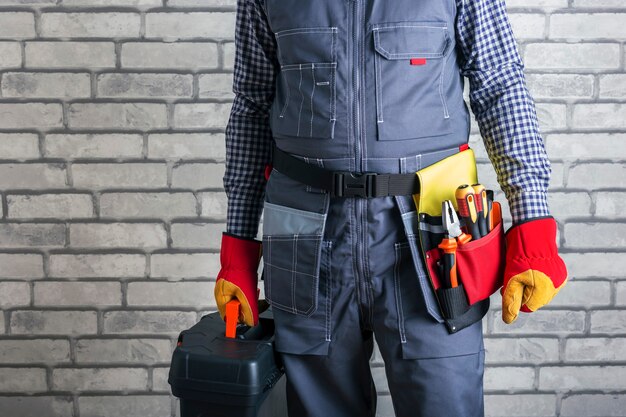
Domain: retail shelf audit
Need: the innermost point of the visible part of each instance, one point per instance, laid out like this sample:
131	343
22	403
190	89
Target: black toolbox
215	376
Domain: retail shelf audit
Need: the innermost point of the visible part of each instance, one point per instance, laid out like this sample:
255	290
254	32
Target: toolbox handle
232	317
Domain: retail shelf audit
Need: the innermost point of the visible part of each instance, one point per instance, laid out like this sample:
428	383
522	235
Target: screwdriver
490	214
467	209
482	207
496	214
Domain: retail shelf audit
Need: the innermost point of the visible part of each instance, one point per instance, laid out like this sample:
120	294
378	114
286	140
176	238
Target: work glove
238	278
534	272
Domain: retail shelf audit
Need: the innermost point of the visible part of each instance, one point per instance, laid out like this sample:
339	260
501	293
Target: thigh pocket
292	245
308	334
409	63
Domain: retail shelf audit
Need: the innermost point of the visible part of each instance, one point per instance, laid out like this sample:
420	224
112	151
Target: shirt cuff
243	217
528	205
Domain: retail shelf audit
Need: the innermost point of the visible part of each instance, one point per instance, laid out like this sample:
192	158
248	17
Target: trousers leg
339	384
430	372
447	386
336	381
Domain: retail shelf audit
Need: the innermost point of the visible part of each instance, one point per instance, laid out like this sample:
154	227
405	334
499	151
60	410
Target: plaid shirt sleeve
503	106
248	134
499	99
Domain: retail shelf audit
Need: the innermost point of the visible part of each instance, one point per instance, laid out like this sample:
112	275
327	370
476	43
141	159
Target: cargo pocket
409	63
305	101
291	257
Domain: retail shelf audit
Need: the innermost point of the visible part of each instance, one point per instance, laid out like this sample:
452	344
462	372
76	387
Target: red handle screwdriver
482	207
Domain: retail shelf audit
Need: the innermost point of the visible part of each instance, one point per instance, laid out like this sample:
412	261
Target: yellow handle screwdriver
467	209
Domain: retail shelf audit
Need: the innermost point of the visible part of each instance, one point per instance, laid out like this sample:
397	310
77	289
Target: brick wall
112	115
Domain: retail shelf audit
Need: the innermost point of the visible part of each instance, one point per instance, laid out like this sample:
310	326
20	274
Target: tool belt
344	183
479	262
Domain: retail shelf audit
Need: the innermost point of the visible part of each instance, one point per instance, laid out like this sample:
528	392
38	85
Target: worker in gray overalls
356	96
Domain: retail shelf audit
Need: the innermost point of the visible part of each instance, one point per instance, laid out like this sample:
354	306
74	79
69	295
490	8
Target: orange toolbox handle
232	317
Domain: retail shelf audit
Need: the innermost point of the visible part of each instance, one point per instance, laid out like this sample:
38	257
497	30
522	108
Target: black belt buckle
349	184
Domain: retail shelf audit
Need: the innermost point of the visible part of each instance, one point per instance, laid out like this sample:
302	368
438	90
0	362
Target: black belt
345	183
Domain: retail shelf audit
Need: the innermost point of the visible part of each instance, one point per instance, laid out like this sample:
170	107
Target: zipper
363	287
356	38
361	204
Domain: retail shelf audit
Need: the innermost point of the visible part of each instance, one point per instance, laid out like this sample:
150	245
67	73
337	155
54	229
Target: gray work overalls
364	86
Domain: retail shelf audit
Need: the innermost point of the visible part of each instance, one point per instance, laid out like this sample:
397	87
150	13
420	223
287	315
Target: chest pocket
305	101
409	64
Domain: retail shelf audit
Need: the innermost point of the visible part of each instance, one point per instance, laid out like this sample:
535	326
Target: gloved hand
238	278
534	272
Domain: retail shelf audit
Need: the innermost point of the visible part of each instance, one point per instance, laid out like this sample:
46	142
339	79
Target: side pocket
292	244
308	334
411	228
397	283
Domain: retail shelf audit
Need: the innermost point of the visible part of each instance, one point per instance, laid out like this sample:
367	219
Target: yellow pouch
439	181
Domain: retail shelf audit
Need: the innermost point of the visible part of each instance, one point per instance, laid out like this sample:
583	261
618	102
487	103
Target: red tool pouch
479	263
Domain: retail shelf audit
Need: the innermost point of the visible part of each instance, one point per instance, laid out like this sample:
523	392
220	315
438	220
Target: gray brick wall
112	116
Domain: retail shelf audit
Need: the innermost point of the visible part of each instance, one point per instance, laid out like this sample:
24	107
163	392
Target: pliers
452	225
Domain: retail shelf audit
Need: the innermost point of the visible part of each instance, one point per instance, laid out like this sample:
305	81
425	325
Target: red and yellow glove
534	272
238	276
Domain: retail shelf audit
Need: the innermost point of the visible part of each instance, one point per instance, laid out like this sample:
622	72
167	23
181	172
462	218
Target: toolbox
214	375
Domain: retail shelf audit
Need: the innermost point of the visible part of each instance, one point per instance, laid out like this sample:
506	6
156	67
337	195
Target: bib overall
364	86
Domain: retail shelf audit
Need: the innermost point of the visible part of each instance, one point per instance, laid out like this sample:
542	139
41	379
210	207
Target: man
344	88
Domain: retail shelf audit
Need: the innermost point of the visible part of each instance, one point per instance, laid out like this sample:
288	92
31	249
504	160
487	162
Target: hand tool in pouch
482	207
496	214
448	244
467	209
454	237
453	299
490	214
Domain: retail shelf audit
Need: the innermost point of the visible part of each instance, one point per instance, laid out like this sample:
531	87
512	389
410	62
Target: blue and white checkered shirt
499	99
